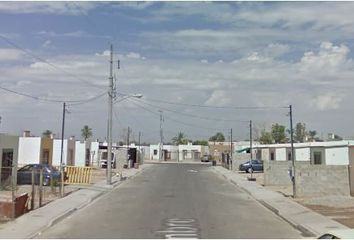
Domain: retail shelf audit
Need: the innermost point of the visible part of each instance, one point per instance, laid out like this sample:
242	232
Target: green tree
278	133
266	137
201	142
86	132
47	133
300	132
312	135
180	138
218	137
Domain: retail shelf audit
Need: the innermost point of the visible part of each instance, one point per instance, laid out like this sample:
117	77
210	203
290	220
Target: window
272	156
7	157
289	156
317	158
155	152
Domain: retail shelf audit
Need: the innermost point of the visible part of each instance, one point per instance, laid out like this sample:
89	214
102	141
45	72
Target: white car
338	234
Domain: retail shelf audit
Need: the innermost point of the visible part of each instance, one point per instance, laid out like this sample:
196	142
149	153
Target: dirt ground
50	194
338	208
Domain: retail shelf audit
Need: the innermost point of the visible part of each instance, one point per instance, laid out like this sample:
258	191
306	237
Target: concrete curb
295	216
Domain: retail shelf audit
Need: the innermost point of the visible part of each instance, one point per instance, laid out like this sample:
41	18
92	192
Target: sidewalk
307	221
33	223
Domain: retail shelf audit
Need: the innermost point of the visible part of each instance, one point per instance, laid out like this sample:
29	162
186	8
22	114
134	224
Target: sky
208	66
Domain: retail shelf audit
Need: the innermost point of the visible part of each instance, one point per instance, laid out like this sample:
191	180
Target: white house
318	153
169	152
191	152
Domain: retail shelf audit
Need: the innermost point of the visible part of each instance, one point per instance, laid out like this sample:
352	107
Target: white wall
80	149
189	149
29	150
337	156
302	154
280	154
57	151
152	156
94	146
265	154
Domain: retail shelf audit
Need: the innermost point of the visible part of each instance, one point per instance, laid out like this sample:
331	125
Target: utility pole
139	148
292	150
128	135
62	152
251	150
231	149
161	136
110	110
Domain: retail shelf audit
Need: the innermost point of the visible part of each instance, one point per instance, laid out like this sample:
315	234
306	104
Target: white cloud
9	54
218	98
47	43
65	34
135	56
326	102
59	8
328	57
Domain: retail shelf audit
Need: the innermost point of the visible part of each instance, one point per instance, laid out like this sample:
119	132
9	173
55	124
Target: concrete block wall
321	180
238	159
276	173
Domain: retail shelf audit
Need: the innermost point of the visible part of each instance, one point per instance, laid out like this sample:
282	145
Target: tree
180	138
200	142
266	138
300	132
218	137
47	133
278	133
312	135
86	132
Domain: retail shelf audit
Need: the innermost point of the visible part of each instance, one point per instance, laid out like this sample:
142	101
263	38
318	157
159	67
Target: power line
47	99
180	122
221	107
194	116
48	63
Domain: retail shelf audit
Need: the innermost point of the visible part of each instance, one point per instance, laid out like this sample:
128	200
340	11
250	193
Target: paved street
174	200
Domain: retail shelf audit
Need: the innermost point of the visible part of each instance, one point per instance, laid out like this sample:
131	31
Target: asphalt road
174	200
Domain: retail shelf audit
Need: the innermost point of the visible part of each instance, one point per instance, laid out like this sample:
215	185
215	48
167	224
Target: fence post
40	187
13	187
33	190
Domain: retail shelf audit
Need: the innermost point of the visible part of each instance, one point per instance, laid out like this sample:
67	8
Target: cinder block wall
321	180
239	159
276	173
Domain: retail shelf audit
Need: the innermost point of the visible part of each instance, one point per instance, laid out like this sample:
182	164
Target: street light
109	134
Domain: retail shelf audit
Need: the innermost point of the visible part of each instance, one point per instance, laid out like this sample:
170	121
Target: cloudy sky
200	63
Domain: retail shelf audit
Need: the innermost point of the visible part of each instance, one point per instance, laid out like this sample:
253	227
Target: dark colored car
24	174
257	165
205	158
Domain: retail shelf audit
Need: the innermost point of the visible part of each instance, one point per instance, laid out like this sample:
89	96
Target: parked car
24	174
205	158
257	165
